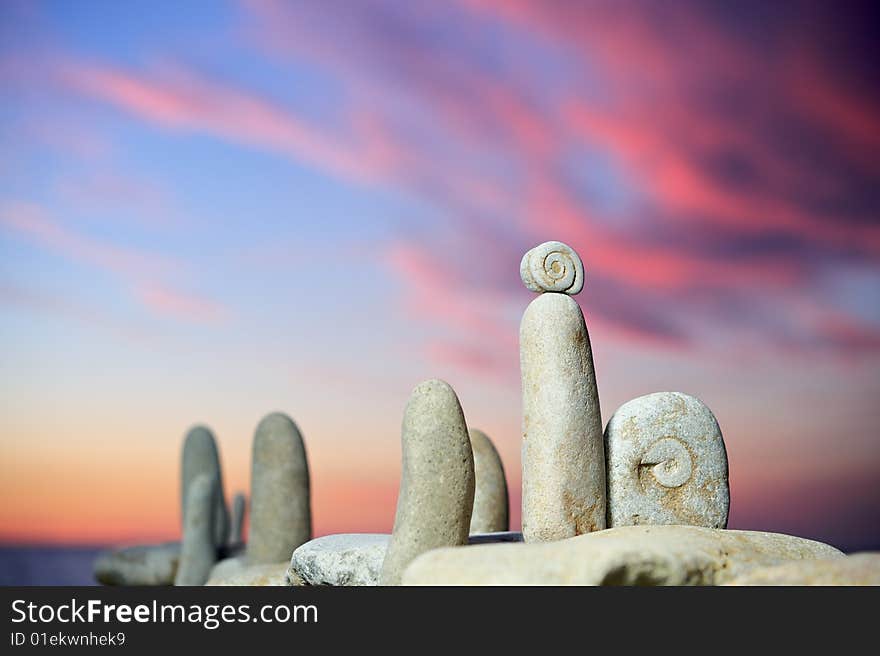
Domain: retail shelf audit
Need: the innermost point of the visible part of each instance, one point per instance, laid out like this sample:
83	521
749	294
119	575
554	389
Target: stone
436	495
490	513
225	568
356	558
280	517
138	565
666	463
628	555
344	559
857	569
236	524
198	551
266	574
552	267
563	453
200	456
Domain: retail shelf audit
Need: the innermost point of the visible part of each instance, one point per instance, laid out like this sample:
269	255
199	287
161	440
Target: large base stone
858	569
628	555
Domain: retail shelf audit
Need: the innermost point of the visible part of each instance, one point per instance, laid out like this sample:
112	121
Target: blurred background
213	210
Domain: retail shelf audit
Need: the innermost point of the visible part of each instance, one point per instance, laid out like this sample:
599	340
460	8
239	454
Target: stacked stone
643	503
563	461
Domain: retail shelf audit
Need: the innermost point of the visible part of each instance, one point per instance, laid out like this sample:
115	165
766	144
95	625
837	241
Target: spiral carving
552	267
670	462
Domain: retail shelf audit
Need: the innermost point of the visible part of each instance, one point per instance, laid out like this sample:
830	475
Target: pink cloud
169	302
182	101
136	270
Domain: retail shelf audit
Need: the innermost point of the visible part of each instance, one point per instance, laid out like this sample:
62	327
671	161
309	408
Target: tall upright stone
281	516
436	496
198	551
200	456
236	525
563	459
666	463
490	514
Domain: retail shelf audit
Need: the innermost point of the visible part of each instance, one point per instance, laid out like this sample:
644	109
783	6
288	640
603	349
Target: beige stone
490	512
198	552
280	517
666	463
225	568
437	480
628	555
200	456
563	459
266	574
857	569
552	267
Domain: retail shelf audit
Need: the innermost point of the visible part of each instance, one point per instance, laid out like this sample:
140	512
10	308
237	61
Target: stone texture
490	512
225	568
345	559
281	518
356	558
437	482
666	463
552	267
198	552
200	456
138	565
266	574
628	555
236	524
857	569
563	459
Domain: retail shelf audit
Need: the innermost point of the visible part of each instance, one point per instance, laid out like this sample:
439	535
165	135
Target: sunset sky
213	210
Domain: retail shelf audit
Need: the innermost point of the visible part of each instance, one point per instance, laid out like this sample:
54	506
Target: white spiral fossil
552	267
670	462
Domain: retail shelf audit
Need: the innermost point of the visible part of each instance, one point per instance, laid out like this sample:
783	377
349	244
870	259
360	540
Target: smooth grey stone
236	524
198	551
437	484
200	456
281	517
138	565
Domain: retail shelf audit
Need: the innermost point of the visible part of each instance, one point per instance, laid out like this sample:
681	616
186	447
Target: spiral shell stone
552	267
666	463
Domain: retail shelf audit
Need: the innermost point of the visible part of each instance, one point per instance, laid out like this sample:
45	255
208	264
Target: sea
47	565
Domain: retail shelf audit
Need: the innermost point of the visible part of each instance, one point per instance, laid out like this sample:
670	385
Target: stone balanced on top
563	458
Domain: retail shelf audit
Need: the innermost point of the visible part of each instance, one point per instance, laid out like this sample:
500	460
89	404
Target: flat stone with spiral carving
666	463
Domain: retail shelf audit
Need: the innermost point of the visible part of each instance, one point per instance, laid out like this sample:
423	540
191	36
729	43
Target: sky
210	211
